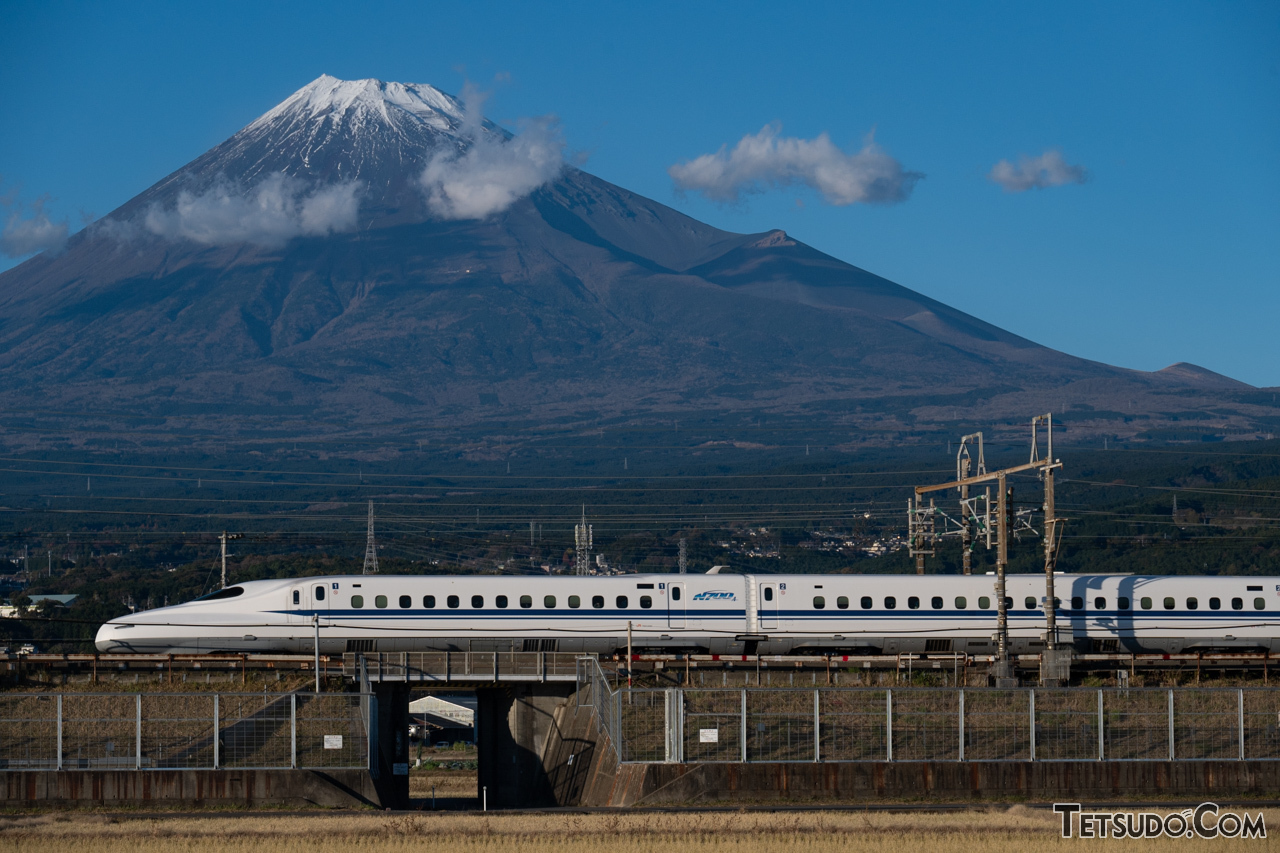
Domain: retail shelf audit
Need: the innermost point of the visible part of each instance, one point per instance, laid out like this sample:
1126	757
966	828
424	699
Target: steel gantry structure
976	512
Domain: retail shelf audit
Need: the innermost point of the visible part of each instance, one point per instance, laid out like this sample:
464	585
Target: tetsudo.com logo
1204	821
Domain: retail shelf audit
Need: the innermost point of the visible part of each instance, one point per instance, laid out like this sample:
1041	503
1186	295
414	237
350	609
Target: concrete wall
949	781
514	724
334	788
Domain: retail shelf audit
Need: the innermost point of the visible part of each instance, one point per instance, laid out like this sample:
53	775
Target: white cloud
272	213
26	235
765	160
1037	173
490	172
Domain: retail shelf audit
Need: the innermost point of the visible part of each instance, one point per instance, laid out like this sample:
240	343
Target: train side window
1169	603
1008	603
984	603
961	602
1237	604
597	601
297	597
1193	604
866	602
675	595
1215	604
913	602
319	593
936	602
549	601
646	601
1030	602
819	602
1077	603
526	601
575	601
890	603
477	601
428	601
621	602
501	601
1099	603
406	602
1259	604
357	601
768	593
1146	603
842	602
1122	603
380	601
452	601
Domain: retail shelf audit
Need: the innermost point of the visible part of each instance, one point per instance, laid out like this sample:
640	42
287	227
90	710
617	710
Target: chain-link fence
67	731
940	724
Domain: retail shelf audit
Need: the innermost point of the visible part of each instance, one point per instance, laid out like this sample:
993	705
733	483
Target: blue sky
1169	252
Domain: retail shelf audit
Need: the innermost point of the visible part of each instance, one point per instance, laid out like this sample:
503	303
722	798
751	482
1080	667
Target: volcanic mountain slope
579	301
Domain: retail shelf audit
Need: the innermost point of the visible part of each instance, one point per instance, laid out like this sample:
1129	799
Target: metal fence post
1101	739
137	744
217	747
59	731
960	723
817	737
293	730
1031	704
680	724
744	725
1171	724
668	751
1240	707
888	725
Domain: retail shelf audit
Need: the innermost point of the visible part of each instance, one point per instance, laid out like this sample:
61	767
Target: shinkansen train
709	613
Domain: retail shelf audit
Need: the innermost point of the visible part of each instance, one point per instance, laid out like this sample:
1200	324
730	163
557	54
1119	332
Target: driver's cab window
297	596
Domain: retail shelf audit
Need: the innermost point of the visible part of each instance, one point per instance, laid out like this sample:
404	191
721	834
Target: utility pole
1055	663
223	539
684	556
370	548
1003	670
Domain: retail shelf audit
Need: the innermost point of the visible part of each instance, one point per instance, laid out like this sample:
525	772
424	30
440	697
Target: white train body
717	614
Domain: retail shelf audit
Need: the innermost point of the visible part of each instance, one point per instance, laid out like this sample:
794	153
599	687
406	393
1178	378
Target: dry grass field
999	830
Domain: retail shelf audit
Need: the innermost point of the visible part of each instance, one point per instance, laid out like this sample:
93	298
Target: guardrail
935	724
183	731
470	667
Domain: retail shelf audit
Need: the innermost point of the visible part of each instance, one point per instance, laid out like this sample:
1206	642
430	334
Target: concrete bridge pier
389	743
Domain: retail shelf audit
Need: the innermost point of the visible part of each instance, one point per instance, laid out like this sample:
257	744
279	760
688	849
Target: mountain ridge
580	298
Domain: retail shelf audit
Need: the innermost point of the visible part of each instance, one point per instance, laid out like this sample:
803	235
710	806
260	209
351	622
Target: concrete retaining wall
334	788
1038	781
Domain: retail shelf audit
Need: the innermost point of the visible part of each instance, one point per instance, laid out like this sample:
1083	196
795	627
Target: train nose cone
107	639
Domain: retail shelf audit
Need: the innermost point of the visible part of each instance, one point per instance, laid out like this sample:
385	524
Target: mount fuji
371	259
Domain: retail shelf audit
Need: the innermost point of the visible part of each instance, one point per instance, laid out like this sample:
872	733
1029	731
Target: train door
676	606
316	596
298	605
768	607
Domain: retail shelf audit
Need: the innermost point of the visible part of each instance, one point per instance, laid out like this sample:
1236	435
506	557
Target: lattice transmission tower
582	546
370	548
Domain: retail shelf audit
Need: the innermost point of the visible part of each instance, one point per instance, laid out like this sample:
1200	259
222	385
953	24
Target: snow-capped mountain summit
329	97
307	269
330	131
